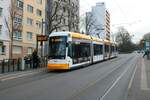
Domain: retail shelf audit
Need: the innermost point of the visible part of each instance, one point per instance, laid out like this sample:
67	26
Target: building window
29	50
0	29
17	49
39	1
38	24
38	12
2	50
29	21
17	35
1	10
20	4
30	8
29	36
64	21
18	20
64	9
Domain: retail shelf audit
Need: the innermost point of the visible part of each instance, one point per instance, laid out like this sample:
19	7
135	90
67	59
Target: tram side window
106	48
98	49
80	50
112	49
70	50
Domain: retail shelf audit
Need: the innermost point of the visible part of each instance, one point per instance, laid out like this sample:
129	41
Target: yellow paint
97	39
80	36
107	42
58	67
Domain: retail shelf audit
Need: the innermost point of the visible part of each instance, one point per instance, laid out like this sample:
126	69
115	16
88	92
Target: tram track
90	85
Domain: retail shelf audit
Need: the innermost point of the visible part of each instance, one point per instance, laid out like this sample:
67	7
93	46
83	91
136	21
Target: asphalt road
108	80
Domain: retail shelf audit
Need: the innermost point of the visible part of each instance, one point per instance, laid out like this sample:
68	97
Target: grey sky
132	14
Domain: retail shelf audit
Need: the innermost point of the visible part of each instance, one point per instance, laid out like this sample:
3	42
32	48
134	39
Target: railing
12	65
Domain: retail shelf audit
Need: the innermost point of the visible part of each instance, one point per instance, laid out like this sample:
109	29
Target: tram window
106	48
80	50
70	50
98	49
112	49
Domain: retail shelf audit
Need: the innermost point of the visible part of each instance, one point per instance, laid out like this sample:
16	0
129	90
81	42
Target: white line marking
144	85
18	76
117	80
18	73
131	81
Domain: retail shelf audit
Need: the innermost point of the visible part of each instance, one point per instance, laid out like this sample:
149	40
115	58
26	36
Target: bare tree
11	25
54	15
91	26
123	38
73	16
57	13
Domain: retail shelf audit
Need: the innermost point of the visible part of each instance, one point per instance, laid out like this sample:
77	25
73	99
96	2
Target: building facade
64	14
33	17
146	39
24	22
4	33
101	20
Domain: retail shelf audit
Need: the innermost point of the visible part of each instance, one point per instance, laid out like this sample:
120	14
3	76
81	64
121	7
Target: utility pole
42	41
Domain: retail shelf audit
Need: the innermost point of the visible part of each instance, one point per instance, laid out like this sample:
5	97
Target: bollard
23	64
13	63
3	66
18	65
8	61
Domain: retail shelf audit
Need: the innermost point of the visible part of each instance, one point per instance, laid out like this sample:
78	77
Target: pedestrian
35	59
145	53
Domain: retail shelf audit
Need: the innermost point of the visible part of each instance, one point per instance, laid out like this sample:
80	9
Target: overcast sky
132	14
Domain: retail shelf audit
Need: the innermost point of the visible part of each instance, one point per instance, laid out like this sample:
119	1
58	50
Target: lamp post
41	38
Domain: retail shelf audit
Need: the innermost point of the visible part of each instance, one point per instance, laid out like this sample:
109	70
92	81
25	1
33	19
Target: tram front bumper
58	67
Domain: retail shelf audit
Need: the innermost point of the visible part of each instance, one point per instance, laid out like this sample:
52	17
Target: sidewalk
140	88
19	74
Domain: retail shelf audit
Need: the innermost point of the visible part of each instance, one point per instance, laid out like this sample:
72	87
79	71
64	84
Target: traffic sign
42	38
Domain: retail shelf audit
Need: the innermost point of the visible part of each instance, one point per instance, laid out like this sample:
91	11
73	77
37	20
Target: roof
96	39
80	36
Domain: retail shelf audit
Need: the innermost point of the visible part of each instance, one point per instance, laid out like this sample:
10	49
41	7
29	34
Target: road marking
131	81
117	80
18	75
144	85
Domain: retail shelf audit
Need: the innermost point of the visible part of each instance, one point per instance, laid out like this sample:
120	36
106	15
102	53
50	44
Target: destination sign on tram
58	39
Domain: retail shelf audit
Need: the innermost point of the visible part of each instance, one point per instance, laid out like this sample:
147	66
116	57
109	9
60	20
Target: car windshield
57	47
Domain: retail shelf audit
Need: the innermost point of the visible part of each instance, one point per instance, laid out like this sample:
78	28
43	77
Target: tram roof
96	39
80	36
72	34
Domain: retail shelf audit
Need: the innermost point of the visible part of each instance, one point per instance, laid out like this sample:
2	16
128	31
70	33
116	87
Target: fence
11	65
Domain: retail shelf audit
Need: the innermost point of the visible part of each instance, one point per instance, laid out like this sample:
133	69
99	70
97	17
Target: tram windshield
57	47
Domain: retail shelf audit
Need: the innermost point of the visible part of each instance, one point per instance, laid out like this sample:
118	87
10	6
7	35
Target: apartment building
4	33
33	14
101	20
23	20
25	40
